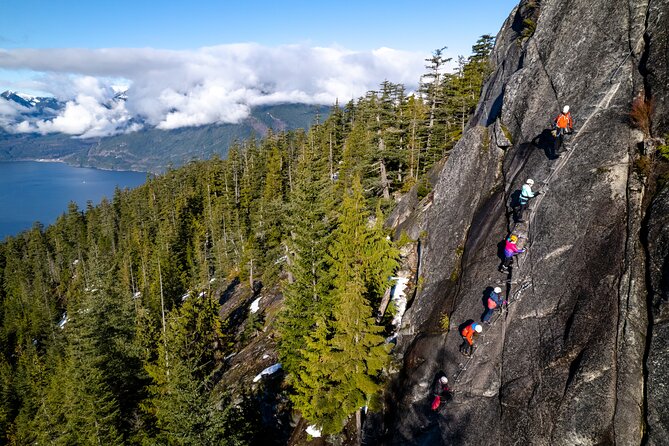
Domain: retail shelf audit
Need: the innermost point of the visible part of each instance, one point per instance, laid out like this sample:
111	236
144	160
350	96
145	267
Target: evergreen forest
110	326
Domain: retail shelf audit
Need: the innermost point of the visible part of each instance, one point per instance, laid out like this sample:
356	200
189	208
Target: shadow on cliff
425	427
229	291
544	141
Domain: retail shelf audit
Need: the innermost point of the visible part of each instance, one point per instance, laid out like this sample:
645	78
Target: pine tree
80	406
306	292
431	90
181	401
269	224
347	374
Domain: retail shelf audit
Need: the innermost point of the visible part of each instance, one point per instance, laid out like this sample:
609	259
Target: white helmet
478	328
443	380
497	290
565	109
530	181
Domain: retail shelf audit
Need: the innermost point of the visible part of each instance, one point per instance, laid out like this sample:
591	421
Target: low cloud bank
171	89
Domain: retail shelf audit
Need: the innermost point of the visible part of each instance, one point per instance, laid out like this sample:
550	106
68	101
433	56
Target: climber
525	195
563	124
494	301
468	333
440	391
510	250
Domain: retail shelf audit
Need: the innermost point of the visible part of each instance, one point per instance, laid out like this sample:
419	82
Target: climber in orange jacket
564	124
468	333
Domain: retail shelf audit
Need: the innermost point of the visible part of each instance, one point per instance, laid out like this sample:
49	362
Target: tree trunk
384	180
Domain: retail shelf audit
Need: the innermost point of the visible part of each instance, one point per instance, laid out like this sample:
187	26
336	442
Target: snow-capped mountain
32	106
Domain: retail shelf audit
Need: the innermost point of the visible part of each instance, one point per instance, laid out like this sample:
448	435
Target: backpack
563	121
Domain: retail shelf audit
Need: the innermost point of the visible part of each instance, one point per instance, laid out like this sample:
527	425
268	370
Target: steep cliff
657	237
566	363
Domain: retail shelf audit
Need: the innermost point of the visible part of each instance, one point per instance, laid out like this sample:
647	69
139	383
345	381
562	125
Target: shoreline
62	161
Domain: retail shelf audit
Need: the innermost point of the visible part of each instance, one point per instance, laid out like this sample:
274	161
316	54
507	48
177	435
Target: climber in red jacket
440	391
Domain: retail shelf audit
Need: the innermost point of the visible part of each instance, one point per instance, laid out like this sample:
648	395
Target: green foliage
404	240
344	352
507	133
445	322
663	150
529	27
455	274
424	188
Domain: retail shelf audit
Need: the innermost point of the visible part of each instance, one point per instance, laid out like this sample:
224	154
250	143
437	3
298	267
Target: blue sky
198	62
357	25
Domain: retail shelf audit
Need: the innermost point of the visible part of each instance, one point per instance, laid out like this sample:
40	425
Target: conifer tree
348	369
306	293
431	89
269	224
6	395
80	406
185	411
414	112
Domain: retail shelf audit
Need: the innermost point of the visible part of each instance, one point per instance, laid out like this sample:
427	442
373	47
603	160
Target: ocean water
34	191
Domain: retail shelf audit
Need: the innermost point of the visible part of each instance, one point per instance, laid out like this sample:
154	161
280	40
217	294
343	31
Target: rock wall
657	237
565	363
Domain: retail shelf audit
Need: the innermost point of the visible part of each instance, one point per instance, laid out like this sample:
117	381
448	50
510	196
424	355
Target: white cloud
219	84
9	110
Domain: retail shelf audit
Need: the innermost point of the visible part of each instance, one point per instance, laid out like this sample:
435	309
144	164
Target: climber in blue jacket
494	301
526	194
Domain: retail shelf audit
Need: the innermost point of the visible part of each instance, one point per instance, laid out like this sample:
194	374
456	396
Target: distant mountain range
150	149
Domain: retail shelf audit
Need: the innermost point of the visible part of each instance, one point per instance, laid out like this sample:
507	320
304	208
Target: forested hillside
109	318
155	150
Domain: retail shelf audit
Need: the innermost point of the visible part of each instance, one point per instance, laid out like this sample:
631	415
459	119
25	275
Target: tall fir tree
307	289
347	374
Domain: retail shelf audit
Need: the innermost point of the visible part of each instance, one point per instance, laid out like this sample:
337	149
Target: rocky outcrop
565	364
657	237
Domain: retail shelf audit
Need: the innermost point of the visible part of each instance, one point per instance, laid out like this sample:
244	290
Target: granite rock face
658	351
565	364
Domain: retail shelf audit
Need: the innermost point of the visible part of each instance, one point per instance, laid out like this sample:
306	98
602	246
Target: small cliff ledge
580	357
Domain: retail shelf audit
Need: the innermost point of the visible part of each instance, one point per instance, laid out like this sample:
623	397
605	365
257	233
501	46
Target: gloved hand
506	302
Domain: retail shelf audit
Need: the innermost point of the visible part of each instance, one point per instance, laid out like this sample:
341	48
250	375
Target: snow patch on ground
313	431
399	299
255	305
268	371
